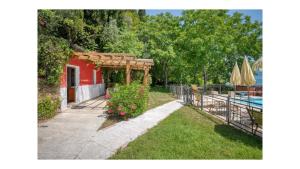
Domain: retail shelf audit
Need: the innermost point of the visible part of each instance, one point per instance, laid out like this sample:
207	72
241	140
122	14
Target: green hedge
128	100
47	107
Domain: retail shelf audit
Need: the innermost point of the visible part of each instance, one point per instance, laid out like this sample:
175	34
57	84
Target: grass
157	96
191	134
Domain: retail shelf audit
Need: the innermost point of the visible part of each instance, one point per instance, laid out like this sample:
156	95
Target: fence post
228	110
191	97
184	92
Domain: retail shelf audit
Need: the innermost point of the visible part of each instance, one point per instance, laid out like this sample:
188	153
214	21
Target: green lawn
191	134
158	96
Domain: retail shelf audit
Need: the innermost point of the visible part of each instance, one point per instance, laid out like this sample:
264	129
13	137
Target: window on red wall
94	77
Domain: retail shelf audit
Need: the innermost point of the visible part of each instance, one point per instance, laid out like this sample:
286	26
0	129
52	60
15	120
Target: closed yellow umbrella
247	77
235	78
257	65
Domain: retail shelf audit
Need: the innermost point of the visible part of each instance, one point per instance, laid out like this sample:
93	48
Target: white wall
63	97
82	93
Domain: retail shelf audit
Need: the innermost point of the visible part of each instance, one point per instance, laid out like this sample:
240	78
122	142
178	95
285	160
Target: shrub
128	100
47	107
53	53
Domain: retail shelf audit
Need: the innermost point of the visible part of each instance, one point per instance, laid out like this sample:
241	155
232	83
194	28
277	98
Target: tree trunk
166	76
195	73
205	79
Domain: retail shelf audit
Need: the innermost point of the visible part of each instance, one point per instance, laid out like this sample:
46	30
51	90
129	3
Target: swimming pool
254	101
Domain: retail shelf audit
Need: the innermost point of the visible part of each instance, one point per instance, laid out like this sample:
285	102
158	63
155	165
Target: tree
109	34
126	42
53	53
213	40
201	46
159	35
142	14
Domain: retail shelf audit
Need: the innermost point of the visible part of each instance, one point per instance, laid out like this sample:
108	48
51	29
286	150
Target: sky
255	14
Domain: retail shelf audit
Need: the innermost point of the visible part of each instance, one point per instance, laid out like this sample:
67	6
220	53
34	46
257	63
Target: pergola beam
107	59
118	60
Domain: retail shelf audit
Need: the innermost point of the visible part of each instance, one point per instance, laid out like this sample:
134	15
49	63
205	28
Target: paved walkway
73	134
65	135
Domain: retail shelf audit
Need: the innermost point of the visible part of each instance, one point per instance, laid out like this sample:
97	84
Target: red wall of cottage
86	72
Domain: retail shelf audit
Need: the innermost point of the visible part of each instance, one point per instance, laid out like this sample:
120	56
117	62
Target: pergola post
146	75
127	72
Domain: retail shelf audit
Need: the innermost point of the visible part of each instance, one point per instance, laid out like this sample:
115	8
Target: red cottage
80	81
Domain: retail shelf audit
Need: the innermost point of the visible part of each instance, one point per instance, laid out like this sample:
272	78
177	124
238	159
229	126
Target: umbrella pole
234	93
248	98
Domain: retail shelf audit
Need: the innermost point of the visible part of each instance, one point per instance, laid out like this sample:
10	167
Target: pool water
254	101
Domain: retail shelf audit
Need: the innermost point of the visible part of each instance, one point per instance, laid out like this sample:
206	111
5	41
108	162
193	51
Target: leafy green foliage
47	107
126	42
213	41
159	34
131	99
110	33
53	53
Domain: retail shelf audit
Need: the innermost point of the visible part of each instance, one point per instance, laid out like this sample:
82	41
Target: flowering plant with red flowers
122	113
107	95
128	101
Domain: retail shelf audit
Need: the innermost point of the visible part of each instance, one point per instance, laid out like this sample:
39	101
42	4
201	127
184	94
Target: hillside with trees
198	45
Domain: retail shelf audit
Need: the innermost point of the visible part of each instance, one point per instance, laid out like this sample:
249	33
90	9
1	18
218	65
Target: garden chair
256	118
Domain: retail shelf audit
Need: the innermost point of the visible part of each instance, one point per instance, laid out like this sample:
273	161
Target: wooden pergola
117	61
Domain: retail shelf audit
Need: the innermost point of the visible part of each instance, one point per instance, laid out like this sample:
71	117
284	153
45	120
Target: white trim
77	84
82	93
85	92
77	81
63	97
73	66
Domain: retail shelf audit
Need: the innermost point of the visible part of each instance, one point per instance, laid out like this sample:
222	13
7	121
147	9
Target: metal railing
237	110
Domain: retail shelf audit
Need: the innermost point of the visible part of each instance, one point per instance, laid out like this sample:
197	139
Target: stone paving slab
73	134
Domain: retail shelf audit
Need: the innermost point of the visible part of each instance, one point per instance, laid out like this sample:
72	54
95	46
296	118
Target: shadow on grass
238	136
232	133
